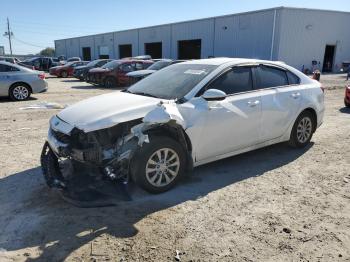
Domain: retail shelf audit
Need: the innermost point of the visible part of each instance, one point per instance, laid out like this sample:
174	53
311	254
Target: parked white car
19	82
185	115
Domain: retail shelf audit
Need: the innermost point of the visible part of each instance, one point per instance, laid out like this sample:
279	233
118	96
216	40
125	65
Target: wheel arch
312	111
21	83
176	132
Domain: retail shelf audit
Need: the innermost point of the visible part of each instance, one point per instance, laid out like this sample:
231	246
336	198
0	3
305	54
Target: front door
233	123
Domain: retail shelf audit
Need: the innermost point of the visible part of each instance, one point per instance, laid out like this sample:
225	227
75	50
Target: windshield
172	82
30	59
69	63
111	65
159	65
92	63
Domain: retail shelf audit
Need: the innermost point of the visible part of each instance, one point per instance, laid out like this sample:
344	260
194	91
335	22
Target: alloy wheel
304	129
162	167
20	92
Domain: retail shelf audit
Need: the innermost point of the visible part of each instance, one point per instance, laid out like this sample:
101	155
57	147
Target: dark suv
40	63
81	72
114	73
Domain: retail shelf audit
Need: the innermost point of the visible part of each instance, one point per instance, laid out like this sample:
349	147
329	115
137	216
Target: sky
37	23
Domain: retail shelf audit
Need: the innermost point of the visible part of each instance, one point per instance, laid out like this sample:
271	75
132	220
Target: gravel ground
273	204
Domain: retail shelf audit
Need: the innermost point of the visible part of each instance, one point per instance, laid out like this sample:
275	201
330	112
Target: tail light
41	76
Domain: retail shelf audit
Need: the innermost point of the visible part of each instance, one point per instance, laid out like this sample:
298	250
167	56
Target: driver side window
236	80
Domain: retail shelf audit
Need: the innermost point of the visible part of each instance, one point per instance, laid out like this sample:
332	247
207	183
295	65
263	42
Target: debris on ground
287	230
44	105
177	257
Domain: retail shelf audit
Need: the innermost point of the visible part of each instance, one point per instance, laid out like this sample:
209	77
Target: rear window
7	68
293	79
271	77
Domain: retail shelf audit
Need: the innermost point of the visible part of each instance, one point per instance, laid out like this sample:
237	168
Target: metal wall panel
156	34
60	47
305	34
246	35
72	47
104	40
126	37
201	29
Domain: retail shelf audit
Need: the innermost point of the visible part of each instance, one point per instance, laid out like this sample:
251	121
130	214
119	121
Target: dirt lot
273	204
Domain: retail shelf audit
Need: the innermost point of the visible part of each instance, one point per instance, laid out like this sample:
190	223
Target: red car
114	73
66	70
347	96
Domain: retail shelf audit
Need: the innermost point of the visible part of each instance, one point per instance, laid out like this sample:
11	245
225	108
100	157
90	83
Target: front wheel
158	165
303	130
110	82
19	92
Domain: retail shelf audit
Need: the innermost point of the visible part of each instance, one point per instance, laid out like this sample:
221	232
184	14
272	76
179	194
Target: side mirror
214	95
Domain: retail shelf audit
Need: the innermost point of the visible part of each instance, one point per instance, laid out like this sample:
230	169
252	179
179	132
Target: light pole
9	34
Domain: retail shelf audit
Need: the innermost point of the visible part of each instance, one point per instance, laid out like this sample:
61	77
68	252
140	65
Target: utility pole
9	34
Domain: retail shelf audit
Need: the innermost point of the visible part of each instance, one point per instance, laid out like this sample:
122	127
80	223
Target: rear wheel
158	165
303	130
64	74
110	82
346	103
19	92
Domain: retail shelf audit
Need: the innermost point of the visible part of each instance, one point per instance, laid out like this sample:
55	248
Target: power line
65	30
59	25
26	43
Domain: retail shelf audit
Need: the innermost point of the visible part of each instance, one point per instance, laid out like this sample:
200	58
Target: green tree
48	51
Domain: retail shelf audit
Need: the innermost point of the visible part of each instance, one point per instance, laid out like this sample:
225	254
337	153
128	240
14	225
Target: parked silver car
19	82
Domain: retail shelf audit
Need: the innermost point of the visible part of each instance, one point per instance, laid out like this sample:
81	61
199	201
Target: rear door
280	99
8	75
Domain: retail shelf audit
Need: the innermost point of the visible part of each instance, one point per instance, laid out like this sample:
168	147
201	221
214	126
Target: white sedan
19	82
183	116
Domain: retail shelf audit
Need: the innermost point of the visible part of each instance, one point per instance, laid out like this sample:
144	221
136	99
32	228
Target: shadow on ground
71	80
88	86
8	99
36	216
345	110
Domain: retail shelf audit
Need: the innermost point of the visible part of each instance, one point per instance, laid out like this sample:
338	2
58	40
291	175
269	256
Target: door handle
253	103
295	95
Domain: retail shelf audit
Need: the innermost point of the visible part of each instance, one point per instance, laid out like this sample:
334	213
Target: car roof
224	60
7	63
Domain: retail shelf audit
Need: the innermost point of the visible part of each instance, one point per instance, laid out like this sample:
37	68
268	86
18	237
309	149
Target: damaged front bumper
105	154
75	162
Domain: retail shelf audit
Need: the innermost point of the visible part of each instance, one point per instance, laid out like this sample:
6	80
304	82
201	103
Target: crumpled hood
140	73
107	110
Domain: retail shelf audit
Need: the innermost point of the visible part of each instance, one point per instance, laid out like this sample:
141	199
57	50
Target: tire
148	154
110	82
346	103
303	129
19	92
64	74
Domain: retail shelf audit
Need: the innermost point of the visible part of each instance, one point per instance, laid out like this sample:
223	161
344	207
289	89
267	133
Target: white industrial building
303	38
